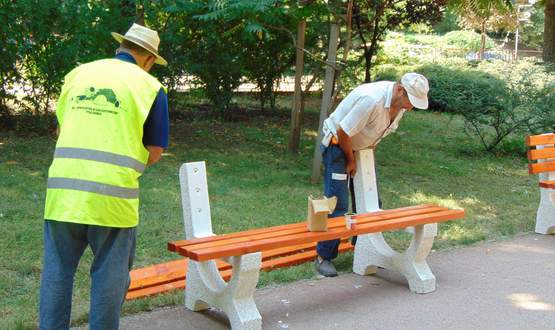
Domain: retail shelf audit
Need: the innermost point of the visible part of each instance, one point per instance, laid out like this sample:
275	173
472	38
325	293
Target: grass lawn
254	182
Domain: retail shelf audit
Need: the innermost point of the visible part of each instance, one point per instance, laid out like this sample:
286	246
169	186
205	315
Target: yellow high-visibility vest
99	156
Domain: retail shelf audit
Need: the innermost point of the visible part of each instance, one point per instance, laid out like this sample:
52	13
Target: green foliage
220	42
531	33
215	58
373	19
266	62
10	35
44	40
468	40
410	49
267	43
448	23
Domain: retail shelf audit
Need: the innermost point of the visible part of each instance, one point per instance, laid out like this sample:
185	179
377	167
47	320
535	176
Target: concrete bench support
545	218
372	250
205	286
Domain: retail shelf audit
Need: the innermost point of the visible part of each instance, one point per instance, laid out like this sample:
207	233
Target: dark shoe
325	268
354	240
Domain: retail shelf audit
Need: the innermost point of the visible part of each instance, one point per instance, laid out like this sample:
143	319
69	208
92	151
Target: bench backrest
543	154
365	183
194	199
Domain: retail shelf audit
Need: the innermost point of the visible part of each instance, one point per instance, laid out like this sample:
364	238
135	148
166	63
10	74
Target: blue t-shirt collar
124	56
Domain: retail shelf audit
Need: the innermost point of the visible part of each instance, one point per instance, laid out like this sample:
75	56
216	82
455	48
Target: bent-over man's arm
347	148
156	128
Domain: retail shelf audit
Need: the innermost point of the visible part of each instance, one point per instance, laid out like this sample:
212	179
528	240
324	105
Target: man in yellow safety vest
112	124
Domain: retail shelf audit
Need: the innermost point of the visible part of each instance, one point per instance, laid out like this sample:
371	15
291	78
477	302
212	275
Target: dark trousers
335	184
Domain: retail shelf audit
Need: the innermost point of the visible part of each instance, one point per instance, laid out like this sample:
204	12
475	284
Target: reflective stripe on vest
91	186
100	156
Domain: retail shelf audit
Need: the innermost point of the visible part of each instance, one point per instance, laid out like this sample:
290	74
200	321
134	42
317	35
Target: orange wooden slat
174	245
157	269
545	153
334	223
541	167
271	243
299	258
170	276
268	265
535	140
153	290
548	184
179	284
175	270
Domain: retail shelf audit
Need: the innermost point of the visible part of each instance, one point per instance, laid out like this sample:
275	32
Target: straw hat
143	37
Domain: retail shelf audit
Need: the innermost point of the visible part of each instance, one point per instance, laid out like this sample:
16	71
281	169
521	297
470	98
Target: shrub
448	23
44	40
266	60
214	57
468	40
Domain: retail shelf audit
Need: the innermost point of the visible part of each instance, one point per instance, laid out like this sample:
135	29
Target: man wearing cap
112	124
368	114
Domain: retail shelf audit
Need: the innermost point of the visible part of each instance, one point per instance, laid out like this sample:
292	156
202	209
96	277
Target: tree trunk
326	100
367	59
549	32
483	40
369	52
295	138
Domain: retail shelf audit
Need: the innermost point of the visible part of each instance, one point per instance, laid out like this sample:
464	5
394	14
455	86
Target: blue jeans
334	161
64	244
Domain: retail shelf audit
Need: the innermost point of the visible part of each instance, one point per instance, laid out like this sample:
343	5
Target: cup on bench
350	221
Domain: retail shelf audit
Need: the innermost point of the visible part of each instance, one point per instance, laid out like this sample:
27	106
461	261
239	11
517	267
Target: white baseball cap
417	89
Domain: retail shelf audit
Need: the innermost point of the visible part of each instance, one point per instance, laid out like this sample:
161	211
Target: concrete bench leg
545	218
372	250
205	288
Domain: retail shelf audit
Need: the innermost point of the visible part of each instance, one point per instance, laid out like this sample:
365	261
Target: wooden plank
541	167
299	258
153	290
334	223
301	227
268	265
158	279
548	184
535	140
177	269
270	243
175	245
545	153
157	269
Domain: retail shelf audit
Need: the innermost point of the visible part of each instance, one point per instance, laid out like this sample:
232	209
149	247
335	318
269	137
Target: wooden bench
171	275
542	162
245	251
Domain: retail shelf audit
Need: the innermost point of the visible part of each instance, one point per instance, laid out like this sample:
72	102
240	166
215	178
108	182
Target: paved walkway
500	285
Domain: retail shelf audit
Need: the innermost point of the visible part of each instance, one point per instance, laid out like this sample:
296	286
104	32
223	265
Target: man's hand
154	154
351	168
346	146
